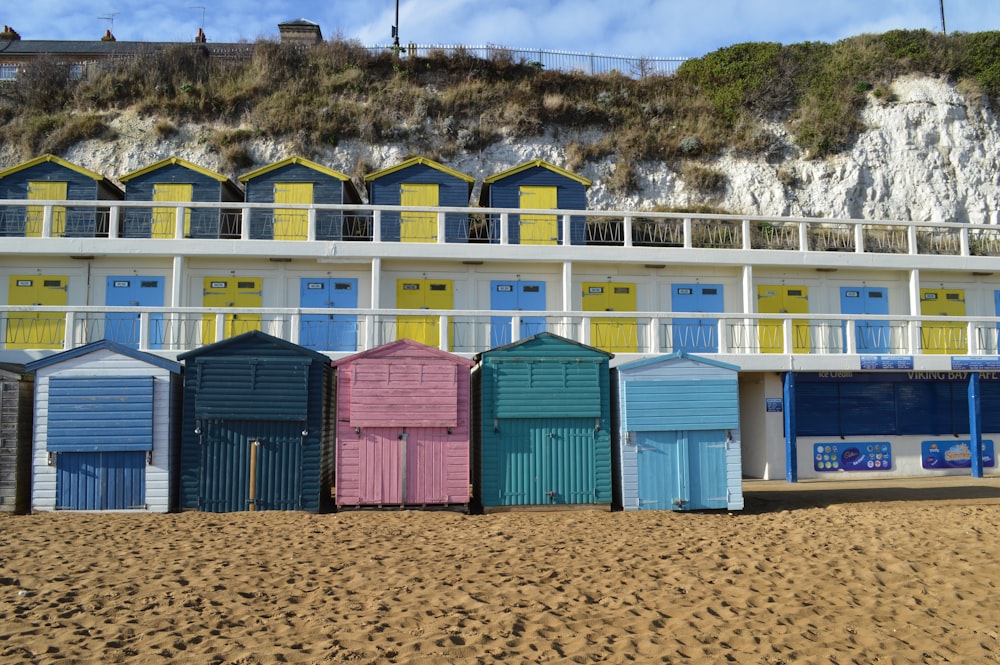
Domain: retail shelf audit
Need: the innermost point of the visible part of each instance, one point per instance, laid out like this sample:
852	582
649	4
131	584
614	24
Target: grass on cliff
442	105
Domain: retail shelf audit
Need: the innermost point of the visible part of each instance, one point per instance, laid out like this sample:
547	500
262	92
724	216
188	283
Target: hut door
113	480
519	296
329	332
780	299
45	190
423	294
36	330
869	336
133	291
539	229
682	470
164	218
696	335
230	292
943	337
250	465
418	226
382	466
292	223
615	335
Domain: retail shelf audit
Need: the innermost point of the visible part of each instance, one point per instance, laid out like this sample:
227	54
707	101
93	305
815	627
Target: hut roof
675	356
104	345
61	162
400	344
543	338
301	161
413	161
253	334
175	161
538	163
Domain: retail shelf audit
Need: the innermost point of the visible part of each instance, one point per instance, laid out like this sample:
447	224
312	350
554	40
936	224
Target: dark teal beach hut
174	182
421	182
537	185
678	440
542	423
51	178
298	181
253	434
16	400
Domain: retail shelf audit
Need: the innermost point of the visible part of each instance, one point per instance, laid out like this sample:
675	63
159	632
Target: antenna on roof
202	15
110	18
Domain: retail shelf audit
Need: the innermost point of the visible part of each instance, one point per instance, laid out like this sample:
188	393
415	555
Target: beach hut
105	429
420	182
537	185
298	181
542	419
254	434
403	427
16	394
51	178
174	181
677	434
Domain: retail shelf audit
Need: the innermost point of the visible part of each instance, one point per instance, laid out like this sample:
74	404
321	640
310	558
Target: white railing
496	226
177	330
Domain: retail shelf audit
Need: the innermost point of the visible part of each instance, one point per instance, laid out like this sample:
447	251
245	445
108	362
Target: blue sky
685	28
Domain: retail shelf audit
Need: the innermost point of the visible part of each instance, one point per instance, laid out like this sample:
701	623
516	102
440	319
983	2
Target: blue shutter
257	388
99	414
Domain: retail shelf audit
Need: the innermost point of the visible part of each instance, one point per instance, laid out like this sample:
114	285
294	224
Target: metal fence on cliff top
566	61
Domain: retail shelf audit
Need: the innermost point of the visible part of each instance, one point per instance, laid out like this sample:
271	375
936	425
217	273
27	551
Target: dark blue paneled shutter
100	414
817	409
867	408
258	388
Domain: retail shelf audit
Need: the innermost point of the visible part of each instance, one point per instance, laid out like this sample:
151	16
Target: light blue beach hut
678	437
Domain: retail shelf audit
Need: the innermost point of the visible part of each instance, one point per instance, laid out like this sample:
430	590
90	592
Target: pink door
380	466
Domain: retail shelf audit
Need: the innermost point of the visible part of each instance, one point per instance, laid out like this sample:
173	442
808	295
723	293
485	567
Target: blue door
329	332
133	291
870	336
696	335
519	296
659	468
707	480
100	480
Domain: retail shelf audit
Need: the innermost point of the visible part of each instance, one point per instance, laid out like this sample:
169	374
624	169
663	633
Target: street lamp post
943	31
395	27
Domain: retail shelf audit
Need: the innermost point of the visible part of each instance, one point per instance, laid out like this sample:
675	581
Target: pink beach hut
403	433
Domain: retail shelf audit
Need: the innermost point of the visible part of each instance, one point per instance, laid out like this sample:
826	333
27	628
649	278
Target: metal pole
395	28
943	31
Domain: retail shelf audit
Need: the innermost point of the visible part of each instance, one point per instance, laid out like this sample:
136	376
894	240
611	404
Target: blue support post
788	411
975	425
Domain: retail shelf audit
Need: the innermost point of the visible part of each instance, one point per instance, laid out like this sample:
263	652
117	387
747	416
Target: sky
651	28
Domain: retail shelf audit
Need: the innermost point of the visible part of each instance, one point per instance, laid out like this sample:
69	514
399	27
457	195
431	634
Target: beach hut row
416	182
258	423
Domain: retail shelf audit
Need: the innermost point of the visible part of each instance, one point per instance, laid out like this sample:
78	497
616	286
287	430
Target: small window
75	72
8	72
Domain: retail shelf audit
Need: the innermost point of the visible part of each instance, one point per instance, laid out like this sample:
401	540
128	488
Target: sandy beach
861	575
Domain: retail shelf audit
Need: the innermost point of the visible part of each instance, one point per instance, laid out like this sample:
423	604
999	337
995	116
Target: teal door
682	470
133	291
329	332
545	461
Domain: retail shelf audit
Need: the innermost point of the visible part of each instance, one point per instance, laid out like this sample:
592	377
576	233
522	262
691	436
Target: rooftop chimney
200	37
300	31
9	33
108	37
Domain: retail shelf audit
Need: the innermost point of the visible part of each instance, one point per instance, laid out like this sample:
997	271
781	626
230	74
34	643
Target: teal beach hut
677	439
542	421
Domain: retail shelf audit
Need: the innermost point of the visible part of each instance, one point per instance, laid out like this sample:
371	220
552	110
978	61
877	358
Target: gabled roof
543	338
299	21
174	161
54	160
390	348
535	163
413	161
301	161
104	345
675	356
240	339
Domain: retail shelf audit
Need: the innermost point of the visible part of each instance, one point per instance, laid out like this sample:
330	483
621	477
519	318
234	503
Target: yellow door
781	299
423	294
292	223
943	337
228	292
44	190
34	330
539	229
614	335
163	218
418	226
